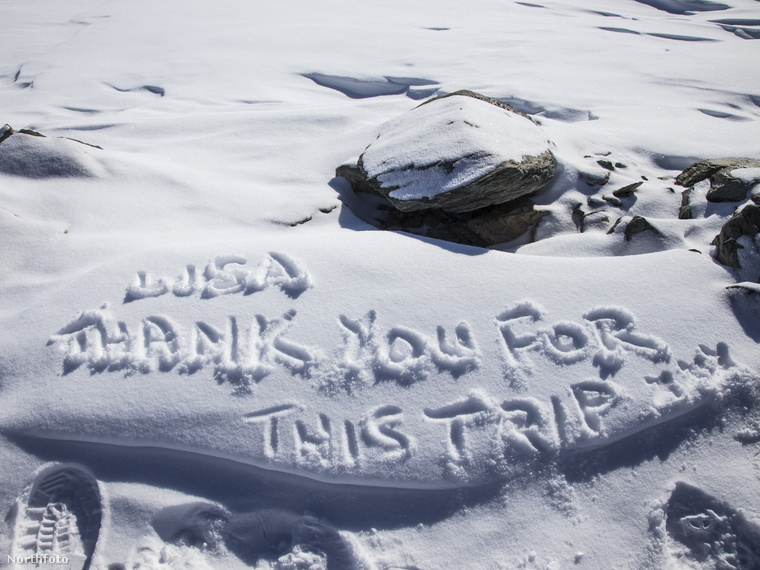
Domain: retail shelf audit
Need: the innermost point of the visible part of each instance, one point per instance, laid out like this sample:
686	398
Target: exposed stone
596	221
615	201
746	287
482	228
458	167
498	155
594	179
5	132
638	225
585	220
606	164
746	222
505	223
354	175
704	169
684	212
32	133
626	191
725	187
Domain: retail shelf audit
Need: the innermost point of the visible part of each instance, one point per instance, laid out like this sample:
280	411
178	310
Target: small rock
747	287
638	225
596	221
606	164
626	191
594	179
31	133
617	202
5	132
584	220
684	212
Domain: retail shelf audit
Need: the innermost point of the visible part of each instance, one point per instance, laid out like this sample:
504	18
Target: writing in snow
244	355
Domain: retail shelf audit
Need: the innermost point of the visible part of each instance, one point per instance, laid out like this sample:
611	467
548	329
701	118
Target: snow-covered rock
730	178
32	155
744	224
459	153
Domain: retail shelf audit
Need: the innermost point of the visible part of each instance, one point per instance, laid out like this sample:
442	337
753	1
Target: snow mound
37	156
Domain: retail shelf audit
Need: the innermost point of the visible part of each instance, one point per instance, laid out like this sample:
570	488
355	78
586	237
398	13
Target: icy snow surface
208	361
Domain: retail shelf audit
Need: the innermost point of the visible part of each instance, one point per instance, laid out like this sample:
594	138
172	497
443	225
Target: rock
615	201
745	222
747	287
457	153
597	219
706	168
595	180
730	178
606	164
628	190
638	225
458	168
482	228
354	175
725	187
505	222
5	132
684	212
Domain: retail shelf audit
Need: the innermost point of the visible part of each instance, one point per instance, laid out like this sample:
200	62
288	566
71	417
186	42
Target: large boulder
457	153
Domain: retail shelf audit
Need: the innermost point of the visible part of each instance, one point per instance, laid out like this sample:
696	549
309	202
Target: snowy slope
245	374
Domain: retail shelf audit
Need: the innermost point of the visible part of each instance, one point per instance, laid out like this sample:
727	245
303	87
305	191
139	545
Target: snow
746	175
199	334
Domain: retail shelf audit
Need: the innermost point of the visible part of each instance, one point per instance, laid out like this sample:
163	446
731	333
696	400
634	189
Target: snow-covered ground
199	334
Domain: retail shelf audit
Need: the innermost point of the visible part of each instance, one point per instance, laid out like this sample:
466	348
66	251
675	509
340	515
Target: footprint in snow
281	537
58	518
